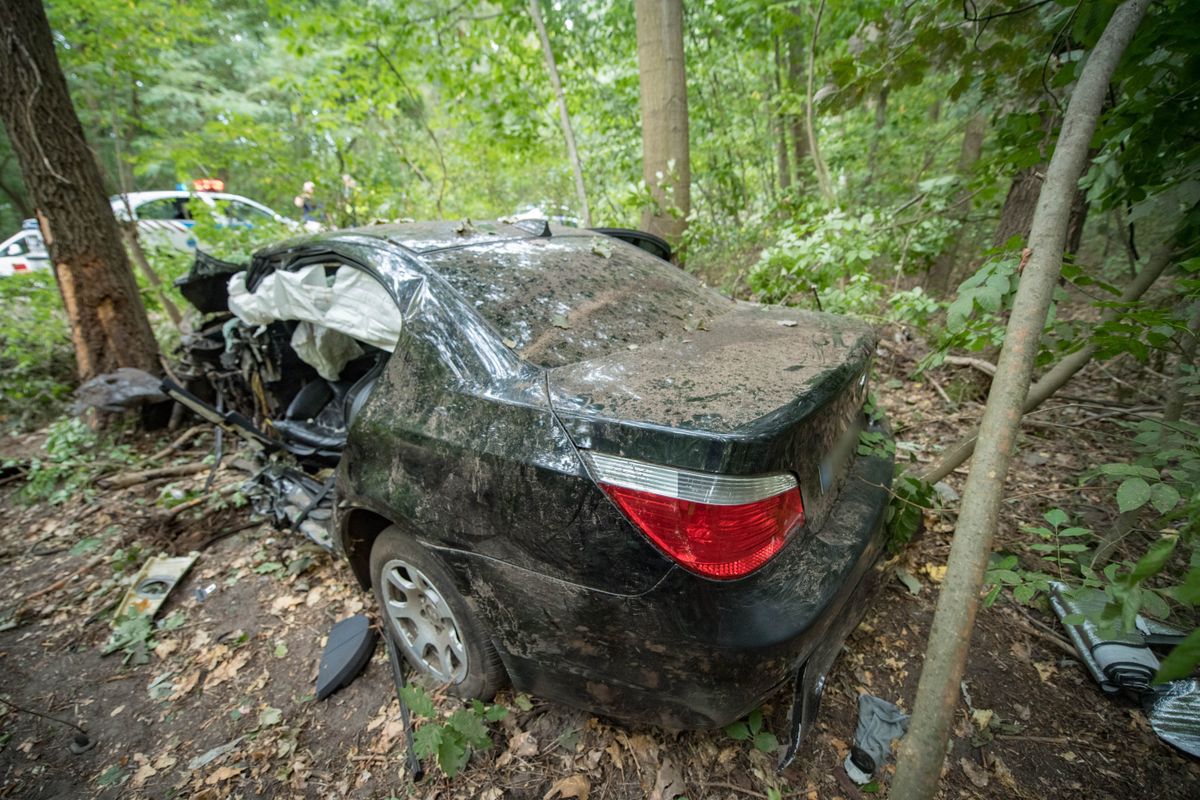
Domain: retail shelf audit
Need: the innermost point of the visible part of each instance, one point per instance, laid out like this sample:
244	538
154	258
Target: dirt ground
224	704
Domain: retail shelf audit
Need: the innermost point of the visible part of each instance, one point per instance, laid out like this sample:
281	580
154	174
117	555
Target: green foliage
911	498
451	741
36	356
75	455
751	729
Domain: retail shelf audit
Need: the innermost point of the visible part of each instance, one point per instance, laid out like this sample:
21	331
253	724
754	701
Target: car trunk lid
757	391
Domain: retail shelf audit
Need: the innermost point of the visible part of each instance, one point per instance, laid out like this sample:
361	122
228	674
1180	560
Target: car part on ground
148	591
1122	661
555	447
879	724
348	648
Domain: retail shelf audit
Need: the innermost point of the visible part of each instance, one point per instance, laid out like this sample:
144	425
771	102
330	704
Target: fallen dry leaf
572	786
1045	669
222	774
520	745
227	669
975	773
669	783
165	648
144	773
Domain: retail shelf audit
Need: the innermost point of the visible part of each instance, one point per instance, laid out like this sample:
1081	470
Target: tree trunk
923	749
941	274
108	322
877	134
796	121
1017	214
813	147
564	117
1066	368
663	81
781	124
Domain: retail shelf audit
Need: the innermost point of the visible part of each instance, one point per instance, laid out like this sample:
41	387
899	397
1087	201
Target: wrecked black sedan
559	460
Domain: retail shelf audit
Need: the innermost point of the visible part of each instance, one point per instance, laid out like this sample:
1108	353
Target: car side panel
483	466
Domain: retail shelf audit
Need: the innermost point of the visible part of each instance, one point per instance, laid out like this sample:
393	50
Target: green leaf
523	702
452	756
1163	497
755	720
467	723
418	702
1056	517
1024	593
1180	662
737	731
269	716
427	739
495	713
1154	560
1132	494
765	741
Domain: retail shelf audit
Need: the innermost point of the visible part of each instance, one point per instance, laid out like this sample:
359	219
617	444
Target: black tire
485	674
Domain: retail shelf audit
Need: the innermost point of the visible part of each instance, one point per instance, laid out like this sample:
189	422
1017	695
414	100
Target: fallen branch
126	479
179	442
228	488
986	367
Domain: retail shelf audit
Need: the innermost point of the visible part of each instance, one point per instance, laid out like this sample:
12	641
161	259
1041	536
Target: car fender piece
349	648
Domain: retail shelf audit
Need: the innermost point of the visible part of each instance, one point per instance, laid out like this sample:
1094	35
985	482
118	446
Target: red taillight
20	266
720	526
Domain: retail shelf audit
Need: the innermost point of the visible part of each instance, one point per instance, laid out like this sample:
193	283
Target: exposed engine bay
303	349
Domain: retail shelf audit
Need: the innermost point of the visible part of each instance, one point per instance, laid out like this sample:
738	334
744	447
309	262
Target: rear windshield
566	299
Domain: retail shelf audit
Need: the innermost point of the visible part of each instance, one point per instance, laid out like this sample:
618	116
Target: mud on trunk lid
761	390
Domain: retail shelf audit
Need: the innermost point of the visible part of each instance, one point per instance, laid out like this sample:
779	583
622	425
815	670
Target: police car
164	219
23	251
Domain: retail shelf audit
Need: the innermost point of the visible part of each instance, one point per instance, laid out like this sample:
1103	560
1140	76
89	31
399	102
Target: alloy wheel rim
427	628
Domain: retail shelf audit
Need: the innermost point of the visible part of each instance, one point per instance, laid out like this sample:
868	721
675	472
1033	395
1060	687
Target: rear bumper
690	652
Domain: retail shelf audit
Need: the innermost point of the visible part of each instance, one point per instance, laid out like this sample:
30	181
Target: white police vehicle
24	251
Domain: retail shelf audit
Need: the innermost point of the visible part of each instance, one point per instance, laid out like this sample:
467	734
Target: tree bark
663	82
796	121
108	322
814	148
781	124
564	116
923	749
1017	215
941	274
1066	368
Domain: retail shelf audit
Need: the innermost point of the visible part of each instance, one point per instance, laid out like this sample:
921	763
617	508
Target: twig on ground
179	442
61	582
937	387
986	367
1040	630
175	511
121	481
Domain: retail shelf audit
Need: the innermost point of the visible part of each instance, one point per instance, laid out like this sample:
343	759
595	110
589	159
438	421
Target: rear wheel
436	629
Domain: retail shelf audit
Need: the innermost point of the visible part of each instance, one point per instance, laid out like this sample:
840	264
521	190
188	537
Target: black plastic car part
350	645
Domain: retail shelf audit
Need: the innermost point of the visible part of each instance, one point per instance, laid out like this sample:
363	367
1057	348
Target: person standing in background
310	210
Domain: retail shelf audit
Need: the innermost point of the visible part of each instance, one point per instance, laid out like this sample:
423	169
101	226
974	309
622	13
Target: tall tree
109	327
564	116
924	748
662	78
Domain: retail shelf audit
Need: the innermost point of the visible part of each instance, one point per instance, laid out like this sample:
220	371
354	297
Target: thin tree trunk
662	78
923	750
1173	410
781	125
796	121
108	322
564	116
1065	369
942	272
813	148
877	134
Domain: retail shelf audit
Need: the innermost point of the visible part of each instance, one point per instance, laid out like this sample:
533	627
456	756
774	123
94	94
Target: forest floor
231	684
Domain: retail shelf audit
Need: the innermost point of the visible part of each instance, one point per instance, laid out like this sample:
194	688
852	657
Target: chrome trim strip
697	487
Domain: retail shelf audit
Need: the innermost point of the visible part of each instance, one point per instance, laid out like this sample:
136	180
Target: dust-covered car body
560	413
